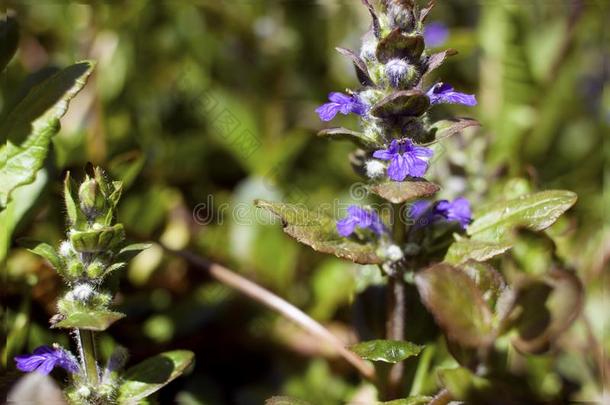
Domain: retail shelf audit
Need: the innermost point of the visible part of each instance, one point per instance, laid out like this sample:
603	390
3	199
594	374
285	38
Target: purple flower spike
436	34
444	93
456	211
360	218
405	159
45	358
341	103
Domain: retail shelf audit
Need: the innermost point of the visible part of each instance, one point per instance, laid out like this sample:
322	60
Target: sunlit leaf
468	249
48	252
283	400
28	128
358	138
319	232
91	320
414	400
152	374
535	211
388	351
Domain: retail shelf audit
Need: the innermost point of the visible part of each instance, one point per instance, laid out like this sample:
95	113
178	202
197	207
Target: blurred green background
202	106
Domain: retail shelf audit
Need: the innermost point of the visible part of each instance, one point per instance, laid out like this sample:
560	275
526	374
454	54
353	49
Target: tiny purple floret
405	158
457	210
436	34
341	103
45	358
445	93
360	218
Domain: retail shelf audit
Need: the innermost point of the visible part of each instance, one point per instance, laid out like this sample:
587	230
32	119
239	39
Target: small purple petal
405	158
444	93
435	34
45	358
456	211
341	103
360	218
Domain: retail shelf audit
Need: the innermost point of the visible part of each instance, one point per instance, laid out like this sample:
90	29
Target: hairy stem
442	398
270	300
395	328
88	355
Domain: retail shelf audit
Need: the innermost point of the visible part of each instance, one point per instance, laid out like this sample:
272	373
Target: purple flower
45	358
405	159
444	93
456	211
435	34
360	218
341	103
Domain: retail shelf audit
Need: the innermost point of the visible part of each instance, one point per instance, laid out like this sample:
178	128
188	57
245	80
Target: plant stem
395	328
270	300
89	355
396	305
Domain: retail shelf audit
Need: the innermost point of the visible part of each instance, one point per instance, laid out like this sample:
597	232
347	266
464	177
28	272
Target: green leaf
130	251
91	320
398	192
535	211
9	40
28	128
282	400
152	374
48	252
437	59
413	400
467	249
456	303
445	128
320	233
358	138
388	351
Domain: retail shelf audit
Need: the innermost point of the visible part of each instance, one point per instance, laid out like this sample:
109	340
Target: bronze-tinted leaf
456	303
398	44
361	70
403	103
375	20
400	191
437	59
358	138
320	233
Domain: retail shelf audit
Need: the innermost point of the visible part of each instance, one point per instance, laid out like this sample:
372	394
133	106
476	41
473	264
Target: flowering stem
88	355
396	304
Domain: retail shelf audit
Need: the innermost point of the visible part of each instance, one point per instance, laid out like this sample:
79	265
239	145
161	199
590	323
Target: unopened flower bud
82	292
92	200
400	73
95	269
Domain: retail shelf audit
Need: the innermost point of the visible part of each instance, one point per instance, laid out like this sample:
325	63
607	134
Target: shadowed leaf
398	44
152	374
456	303
400	191
545	307
28	128
347	134
401	103
9	40
535	211
319	232
388	351
361	70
